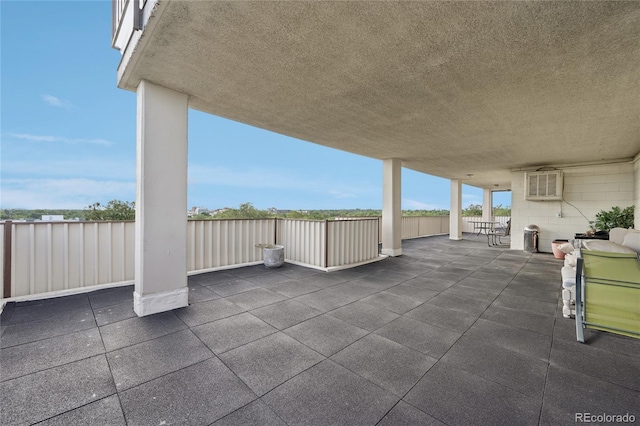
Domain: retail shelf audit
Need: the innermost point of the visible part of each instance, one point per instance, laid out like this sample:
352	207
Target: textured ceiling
450	88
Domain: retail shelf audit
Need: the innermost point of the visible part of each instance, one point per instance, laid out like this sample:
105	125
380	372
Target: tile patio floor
452	332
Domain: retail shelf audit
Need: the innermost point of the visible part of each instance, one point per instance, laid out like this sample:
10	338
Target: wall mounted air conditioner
543	186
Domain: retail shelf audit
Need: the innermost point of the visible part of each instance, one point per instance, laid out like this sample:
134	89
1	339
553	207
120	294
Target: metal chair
608	293
494	237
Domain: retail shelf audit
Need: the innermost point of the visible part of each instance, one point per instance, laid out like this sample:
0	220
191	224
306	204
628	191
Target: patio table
483	226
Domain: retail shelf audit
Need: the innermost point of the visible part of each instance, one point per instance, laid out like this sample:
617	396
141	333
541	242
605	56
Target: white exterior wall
636	196
590	189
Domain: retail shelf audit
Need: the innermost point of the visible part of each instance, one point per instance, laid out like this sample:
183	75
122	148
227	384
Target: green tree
114	210
501	211
244	211
472	210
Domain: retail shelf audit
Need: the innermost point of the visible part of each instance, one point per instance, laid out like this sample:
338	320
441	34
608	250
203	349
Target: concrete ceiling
450	88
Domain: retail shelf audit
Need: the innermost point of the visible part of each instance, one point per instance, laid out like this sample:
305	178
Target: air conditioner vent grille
541	186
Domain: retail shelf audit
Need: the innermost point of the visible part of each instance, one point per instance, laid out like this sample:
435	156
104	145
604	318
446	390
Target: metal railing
125	19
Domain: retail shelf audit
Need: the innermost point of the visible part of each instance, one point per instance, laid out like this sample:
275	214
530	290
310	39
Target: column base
160	302
453	237
391	252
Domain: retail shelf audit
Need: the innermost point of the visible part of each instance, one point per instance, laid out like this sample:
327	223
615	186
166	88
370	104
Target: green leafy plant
614	218
114	210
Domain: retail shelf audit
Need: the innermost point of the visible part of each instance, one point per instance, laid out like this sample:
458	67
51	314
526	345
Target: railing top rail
355	219
46	222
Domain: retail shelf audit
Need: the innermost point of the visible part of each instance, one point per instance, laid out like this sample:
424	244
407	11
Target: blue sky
68	133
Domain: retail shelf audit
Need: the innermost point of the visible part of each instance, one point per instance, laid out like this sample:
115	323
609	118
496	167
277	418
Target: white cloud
408	204
63	193
56	102
58	139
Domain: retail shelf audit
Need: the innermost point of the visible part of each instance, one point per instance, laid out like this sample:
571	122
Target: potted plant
272	254
614	218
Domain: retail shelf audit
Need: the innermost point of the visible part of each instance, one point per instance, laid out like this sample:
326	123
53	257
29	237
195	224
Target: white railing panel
422	226
351	241
303	240
48	257
223	243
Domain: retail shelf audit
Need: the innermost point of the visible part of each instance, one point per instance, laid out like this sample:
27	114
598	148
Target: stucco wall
589	188
636	172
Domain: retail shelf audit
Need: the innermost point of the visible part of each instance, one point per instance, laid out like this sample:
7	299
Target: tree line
125	210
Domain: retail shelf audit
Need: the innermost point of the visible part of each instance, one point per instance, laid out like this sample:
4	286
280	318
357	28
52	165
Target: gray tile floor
451	332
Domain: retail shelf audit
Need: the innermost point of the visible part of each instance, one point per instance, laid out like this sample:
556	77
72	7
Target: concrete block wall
636	196
587	190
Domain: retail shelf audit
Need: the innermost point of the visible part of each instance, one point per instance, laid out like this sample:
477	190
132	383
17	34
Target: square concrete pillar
391	207
161	201
487	204
455	215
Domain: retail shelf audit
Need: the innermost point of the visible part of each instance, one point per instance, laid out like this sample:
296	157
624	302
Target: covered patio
452	332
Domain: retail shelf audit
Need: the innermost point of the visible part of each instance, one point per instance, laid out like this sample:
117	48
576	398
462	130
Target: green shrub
614	218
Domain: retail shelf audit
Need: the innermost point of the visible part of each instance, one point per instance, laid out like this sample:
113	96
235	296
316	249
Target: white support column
161	201
455	215
487	205
391	207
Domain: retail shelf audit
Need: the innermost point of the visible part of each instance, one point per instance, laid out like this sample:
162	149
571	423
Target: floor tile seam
299	295
546	374
324	358
473	298
524	395
122	391
392	341
64	315
78	407
55	366
604	350
118	391
515	326
385	391
480	342
246	405
507	348
145	341
360	301
271	333
304	320
57	336
111	305
601	379
430	324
